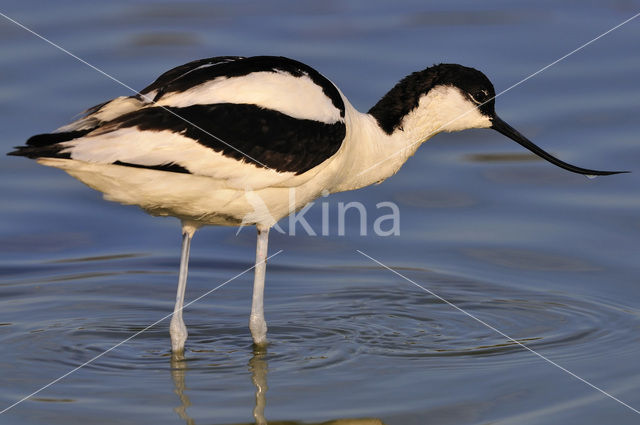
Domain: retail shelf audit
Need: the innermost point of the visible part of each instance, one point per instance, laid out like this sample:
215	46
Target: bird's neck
372	154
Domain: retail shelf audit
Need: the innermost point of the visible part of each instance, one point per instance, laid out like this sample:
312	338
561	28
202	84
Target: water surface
549	258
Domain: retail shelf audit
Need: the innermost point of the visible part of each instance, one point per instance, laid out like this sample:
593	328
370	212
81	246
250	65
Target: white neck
371	155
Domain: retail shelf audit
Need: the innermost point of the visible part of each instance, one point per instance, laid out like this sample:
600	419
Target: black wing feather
267	137
193	74
166	79
256	135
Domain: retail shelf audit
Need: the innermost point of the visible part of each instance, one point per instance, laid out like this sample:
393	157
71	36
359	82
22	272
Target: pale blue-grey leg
257	324
177	329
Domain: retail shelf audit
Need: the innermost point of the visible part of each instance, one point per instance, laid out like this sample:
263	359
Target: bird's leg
257	324
177	329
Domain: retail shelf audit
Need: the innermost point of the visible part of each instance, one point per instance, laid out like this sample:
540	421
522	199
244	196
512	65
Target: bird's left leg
177	328
257	324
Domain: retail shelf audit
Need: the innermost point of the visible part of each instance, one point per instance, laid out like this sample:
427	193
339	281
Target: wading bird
209	140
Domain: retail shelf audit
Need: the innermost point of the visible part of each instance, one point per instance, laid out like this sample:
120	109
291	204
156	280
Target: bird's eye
479	96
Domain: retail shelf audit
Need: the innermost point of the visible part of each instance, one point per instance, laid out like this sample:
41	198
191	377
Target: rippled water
548	258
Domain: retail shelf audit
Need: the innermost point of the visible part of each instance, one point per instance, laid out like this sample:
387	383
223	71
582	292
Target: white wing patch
298	97
151	148
109	111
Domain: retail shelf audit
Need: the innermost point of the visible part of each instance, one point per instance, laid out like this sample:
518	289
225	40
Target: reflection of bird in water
206	137
178	370
258	368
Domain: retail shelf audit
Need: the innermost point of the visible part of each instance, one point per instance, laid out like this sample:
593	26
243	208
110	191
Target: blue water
544	256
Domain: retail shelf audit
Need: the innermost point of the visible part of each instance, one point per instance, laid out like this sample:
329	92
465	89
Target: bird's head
452	97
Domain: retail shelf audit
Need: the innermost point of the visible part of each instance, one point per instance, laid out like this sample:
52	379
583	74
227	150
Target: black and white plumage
227	140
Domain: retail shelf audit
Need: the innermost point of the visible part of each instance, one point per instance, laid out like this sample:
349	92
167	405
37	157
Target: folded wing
231	118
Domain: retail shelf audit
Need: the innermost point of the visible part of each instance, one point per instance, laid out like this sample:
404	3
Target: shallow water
549	258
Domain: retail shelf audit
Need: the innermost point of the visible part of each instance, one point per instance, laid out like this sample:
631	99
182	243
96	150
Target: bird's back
242	123
273	112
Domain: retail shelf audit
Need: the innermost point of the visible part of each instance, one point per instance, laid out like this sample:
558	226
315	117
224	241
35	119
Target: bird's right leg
177	329
257	324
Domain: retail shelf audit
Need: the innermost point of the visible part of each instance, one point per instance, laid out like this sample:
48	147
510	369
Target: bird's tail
48	145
